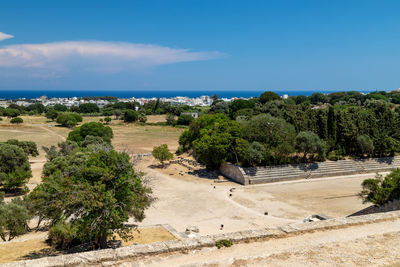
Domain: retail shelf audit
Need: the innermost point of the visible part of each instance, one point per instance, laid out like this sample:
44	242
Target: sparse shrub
170	119
13	218
107	120
179	151
142	117
224	243
162	153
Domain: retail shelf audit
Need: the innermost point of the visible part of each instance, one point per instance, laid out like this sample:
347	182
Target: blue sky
199	45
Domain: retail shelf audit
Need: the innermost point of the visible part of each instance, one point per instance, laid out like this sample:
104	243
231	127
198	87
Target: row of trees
273	131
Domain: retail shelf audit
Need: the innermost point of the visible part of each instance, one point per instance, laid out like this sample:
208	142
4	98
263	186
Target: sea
31	94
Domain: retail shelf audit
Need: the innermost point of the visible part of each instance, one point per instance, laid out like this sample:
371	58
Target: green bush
130	116
29	147
162	153
63	235
16	120
381	190
185	119
14	167
79	134
224	243
107	120
14	217
51	114
69	119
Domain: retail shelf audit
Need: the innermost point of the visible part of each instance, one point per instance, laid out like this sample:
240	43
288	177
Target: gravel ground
362	245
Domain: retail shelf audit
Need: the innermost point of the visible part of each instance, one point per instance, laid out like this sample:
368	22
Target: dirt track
185	200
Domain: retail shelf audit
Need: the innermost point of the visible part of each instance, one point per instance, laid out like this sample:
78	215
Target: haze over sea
30	94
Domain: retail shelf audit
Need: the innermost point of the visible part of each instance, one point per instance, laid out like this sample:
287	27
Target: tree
212	149
11	112
14	167
309	143
91	196
365	144
16	120
381	190
269	130
162	153
255	153
268	96
79	134
220	143
51	114
37	108
89	108
13	218
219	106
107	120
59	107
318	98
142	117
185	119
240	104
29	147
69	119
130	116
117	113
170	118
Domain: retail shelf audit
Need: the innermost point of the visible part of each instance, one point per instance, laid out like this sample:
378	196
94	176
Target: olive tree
89	195
309	143
14	167
162	153
13	218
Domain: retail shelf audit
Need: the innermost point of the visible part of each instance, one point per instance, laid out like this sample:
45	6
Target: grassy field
132	137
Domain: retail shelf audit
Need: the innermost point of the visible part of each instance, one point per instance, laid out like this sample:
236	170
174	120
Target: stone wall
108	257
234	173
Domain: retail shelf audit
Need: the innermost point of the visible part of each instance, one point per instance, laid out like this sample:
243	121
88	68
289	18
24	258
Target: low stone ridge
110	256
270	174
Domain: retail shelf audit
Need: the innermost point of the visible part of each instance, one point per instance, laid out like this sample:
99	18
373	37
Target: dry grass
41	135
17	250
142	139
148	235
35	248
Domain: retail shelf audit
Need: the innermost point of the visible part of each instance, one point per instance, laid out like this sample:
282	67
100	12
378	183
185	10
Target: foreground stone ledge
110	256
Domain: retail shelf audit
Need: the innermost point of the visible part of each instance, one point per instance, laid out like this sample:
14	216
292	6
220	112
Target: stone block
126	252
175	245
205	241
191	243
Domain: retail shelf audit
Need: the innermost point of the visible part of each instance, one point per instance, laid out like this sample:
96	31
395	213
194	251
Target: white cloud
4	36
94	56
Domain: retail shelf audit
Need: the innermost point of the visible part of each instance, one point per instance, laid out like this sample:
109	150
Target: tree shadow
46	252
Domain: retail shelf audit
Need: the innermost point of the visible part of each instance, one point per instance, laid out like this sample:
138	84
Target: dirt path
183	203
52	132
363	245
